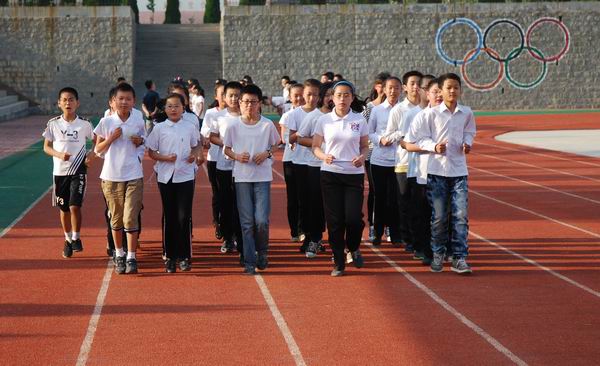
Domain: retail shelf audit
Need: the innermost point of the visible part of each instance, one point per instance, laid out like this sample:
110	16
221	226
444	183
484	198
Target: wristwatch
270	154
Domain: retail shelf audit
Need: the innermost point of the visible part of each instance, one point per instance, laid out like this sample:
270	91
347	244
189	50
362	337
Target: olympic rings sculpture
503	61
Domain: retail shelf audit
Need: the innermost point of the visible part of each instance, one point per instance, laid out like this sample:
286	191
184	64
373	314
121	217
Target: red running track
534	297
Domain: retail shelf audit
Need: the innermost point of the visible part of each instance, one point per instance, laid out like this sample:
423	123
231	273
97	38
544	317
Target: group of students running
413	152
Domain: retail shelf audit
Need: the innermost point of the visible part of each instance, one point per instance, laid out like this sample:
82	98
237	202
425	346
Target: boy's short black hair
449	76
112	93
232	85
285	77
431	83
426	78
124	87
178	96
338	76
392	78
407	75
69	90
296	85
248	79
148	84
121	79
328	74
252	90
312	83
220	82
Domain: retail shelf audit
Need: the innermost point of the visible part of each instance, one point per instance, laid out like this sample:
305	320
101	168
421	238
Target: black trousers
291	189
403	200
342	201
228	213
303	199
211	167
371	197
419	215
386	208
177	200
316	216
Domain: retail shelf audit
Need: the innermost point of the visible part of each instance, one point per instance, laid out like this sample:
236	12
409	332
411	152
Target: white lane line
556	221
570	160
283	328
205	169
86	346
463	319
278	174
32	205
538	185
540	167
536	264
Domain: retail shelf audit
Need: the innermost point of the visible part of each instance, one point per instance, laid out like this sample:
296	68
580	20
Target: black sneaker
322	248
170	266
185	265
312	249
262	262
437	264
119	264
230	245
242	262
77	245
131	267
460	266
409	248
249	270
337	272
218	233
357	259
376	242
67	250
418	254
224	247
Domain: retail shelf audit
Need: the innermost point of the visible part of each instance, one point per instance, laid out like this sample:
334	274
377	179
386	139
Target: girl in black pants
176	146
344	133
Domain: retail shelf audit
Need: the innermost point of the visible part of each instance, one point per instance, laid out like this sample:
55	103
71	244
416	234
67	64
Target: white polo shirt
308	130
341	136
221	125
396	131
122	160
209	119
69	137
288	153
439	125
295	120
378	121
253	139
177	138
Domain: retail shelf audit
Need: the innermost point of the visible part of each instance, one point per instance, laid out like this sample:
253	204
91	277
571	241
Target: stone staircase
164	51
11	107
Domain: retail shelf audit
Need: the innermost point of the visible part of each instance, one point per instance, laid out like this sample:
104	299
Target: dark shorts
68	191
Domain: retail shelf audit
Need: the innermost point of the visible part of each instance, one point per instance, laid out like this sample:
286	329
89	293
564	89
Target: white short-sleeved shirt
408	119
209	119
421	159
253	139
378	121
122	160
308	130
439	124
397	129
295	120
197	105
220	126
177	138
288	152
69	137
341	136
134	111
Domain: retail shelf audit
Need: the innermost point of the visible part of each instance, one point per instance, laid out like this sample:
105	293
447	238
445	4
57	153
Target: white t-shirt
209	119
308	130
341	136
69	137
295	120
122	160
288	153
197	105
220	126
253	139
378	121
174	138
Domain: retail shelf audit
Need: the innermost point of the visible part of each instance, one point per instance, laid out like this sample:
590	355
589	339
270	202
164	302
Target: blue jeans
254	207
449	194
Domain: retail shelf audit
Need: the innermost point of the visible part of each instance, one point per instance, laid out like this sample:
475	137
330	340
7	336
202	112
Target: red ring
559	55
483	87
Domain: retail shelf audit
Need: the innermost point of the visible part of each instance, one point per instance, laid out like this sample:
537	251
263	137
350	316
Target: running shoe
249	270
224	246
387	235
170	266
337	272
185	265
312	249
230	244
357	258
218	233
131	266
262	262
120	264
77	245
67	250
460	266
418	254
322	248
437	264
371	233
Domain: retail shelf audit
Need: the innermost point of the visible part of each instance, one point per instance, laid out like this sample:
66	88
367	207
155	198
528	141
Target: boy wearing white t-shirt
250	142
119	137
65	140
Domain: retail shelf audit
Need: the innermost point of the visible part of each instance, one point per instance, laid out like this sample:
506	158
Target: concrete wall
359	41
47	48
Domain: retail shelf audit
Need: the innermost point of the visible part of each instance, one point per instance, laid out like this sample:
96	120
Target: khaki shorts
124	200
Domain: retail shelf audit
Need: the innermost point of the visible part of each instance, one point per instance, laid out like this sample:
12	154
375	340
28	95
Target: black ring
511	56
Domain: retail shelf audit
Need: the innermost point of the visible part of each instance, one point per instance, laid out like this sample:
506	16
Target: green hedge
212	11
172	14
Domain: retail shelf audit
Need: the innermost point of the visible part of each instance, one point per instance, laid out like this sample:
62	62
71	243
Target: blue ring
448	24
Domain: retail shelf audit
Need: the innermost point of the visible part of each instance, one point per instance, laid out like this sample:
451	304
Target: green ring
517	84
